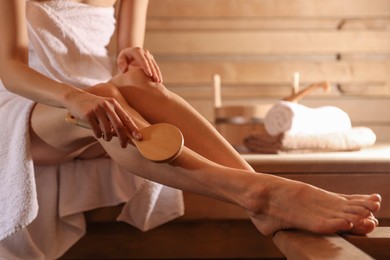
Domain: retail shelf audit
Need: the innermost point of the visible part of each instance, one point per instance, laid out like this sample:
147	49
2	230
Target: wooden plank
299	245
376	243
241	92
364	57
269	8
207	239
266	42
367	89
242	23
267	23
368	161
381	131
274	72
366	24
264	91
359	109
377	97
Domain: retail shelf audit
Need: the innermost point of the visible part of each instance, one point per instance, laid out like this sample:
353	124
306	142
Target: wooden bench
214	229
306	246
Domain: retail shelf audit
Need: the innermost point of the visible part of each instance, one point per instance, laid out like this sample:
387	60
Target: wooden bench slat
305	246
376	243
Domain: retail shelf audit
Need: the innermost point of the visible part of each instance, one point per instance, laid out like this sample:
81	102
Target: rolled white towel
299	119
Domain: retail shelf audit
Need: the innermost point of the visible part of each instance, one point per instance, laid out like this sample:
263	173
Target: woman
136	98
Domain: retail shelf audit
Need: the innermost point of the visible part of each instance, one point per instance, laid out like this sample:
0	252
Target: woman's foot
368	224
287	204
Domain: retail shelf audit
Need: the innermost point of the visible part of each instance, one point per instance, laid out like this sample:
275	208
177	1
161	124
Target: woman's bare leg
273	203
53	141
157	104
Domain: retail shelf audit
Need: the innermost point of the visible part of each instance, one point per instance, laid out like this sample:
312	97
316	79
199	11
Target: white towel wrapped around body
299	119
67	42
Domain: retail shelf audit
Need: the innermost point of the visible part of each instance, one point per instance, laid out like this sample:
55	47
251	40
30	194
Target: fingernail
137	135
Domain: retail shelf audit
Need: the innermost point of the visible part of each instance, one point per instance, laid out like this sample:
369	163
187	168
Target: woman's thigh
54	141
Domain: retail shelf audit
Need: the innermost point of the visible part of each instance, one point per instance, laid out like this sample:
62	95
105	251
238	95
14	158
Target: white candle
217	90
296	82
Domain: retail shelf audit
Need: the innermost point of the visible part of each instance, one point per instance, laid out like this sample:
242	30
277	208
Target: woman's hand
105	116
139	57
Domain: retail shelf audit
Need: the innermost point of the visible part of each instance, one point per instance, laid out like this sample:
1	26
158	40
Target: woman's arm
131	23
14	71
20	79
130	38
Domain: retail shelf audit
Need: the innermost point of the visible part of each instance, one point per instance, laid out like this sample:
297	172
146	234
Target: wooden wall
257	45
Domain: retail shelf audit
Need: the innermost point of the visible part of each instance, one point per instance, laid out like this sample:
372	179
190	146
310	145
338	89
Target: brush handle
160	142
70	119
74	121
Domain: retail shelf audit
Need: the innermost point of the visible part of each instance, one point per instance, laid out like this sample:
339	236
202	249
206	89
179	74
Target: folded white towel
299	119
349	140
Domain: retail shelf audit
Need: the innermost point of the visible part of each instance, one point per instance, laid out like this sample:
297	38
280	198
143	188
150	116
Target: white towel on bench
295	118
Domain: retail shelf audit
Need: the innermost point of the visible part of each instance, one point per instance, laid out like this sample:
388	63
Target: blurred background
257	45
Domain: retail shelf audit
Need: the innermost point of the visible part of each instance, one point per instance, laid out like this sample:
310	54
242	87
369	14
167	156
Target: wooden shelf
367	160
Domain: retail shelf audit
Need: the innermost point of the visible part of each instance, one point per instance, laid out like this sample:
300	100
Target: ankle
257	196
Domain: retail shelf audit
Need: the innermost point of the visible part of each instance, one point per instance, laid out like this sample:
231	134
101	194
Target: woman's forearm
131	23
15	73
18	78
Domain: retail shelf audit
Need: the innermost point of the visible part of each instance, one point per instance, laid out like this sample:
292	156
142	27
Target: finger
143	62
119	128
159	72
92	121
122	62
105	124
129	124
156	74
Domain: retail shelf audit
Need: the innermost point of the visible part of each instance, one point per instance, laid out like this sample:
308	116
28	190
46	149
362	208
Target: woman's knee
53	140
136	80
